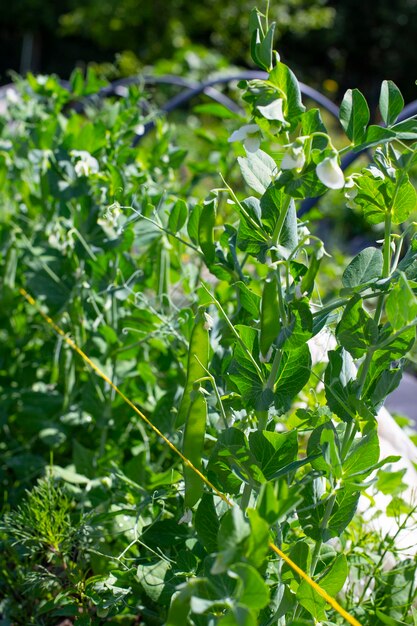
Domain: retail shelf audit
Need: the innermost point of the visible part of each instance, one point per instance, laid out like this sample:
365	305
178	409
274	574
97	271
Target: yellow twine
337	607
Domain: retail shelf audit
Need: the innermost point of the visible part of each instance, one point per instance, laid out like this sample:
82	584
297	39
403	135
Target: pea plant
205	314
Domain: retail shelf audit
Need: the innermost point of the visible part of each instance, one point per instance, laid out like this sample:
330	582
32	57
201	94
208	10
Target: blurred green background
331	44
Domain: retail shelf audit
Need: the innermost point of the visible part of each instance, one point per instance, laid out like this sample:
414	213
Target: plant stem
387	264
244	501
280	221
350	432
323	526
274	370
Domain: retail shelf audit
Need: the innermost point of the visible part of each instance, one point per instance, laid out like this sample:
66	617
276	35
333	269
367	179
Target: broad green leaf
180	607
249	300
312	510
391	483
178	216
332	582
153	579
363	456
258	170
365	267
265	49
300	554
257	546
231	461
375	135
401	304
338	380
311	122
408	264
251	589
300	326
207	523
273	450
391	102
267	503
357	330
354	115
404	201
293	373
233	529
283	78
406	130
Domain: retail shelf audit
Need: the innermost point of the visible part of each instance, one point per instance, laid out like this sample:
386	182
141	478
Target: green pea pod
199	347
270	322
206	231
192	448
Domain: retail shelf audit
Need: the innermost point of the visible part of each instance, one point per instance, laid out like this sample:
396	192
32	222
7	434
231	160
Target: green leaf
286	81
391	102
375	135
207	523
311	122
265	49
362	458
293	373
153	577
406	130
258	170
273	450
332	582
365	268
249	300
257	546
357	330
178	216
338	380
233	529
354	115
401	304
404	201
300	326
251	590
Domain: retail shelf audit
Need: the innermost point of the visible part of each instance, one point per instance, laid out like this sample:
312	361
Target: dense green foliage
201	309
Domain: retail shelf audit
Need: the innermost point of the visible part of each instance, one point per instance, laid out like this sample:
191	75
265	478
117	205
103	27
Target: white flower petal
273	110
252	144
242	133
330	173
293	159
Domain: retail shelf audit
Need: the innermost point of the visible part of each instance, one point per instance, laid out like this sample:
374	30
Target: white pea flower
294	158
86	164
12	96
330	173
249	135
273	110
